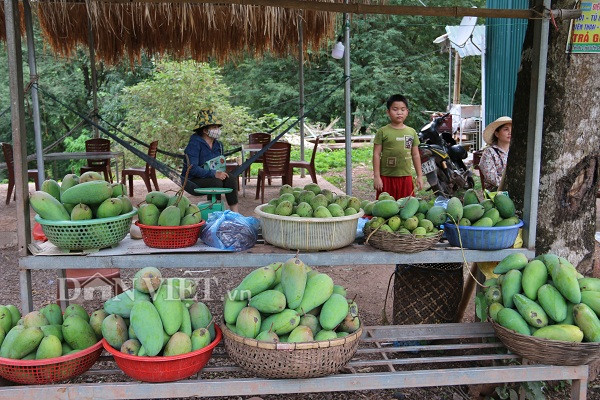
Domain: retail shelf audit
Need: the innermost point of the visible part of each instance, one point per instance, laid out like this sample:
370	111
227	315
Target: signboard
585	31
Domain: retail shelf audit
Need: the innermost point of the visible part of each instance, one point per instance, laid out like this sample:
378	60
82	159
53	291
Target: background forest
157	98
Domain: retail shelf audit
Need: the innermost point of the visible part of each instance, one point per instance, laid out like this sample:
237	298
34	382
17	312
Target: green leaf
481	306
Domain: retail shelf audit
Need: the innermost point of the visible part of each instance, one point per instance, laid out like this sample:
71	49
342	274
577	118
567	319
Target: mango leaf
481	307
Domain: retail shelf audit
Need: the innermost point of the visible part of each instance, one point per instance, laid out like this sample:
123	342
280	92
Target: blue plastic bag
360	226
228	230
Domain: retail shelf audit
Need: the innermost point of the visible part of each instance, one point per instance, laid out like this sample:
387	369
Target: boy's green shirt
396	144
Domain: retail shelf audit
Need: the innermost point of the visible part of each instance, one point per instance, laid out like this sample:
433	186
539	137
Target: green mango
267	336
15	314
587	284
123	303
248	322
186	322
281	323
51	187
147	280
300	334
268	302
148	214
552	302
110	208
32	319
200	339
131	347
232	308
115	331
76	309
148	327
333	312
511	285
159	199
565	333
565	278
9	339
167	303
54	330
48	207
325	335
312	322
170	216
255	282
586	319
511	319
96	321
6	319
49	347
513	261
293	281
318	289
535	276
531	311
179	343
454	209
201	317
90	192
78	333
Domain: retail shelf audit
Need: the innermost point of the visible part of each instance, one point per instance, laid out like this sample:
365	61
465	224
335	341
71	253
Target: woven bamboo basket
309	234
399	243
545	351
291	360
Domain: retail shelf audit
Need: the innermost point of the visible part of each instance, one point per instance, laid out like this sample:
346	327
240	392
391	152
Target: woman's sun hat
206	117
488	133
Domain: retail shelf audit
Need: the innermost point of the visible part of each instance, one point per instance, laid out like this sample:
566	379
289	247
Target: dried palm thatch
197	31
2	22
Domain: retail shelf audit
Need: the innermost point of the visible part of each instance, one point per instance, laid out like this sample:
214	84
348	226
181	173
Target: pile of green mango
289	302
312	201
80	198
499	211
407	216
158	317
545	297
47	333
161	209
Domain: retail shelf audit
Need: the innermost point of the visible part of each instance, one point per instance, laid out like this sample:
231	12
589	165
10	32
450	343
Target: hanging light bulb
338	50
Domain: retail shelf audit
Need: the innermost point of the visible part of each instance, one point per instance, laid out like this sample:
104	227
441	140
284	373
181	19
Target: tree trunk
570	147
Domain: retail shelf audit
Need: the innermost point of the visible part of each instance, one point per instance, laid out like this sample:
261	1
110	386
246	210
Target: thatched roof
197	31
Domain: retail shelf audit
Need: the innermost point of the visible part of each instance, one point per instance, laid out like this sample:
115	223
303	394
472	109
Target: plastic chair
276	164
7	149
257	138
82	278
147	174
309	165
98	145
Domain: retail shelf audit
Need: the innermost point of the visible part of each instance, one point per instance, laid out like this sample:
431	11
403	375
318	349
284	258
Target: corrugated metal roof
504	42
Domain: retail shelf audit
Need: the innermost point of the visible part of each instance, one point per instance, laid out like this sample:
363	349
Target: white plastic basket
311	234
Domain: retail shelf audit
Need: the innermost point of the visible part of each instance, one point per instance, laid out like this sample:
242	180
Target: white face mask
214	132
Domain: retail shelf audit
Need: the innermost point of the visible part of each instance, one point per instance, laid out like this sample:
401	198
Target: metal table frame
472	347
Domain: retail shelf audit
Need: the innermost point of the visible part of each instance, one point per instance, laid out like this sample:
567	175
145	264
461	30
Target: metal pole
449	77
535	126
93	70
37	128
301	88
482	124
348	127
19	137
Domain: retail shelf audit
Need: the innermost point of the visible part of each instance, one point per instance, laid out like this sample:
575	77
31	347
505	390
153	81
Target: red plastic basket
39	372
164	369
170	237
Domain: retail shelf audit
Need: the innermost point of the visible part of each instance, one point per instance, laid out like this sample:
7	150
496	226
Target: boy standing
395	151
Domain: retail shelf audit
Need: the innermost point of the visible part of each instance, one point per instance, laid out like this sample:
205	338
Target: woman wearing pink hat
493	160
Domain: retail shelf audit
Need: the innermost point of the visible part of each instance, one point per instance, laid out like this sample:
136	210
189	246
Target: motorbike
442	159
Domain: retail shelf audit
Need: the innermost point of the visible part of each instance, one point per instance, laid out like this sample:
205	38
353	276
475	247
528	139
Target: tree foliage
389	54
165	107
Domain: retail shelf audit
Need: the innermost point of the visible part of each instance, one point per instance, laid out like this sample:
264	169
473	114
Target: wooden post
457	73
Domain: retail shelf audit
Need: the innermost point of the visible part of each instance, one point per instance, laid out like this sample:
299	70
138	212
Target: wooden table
86	155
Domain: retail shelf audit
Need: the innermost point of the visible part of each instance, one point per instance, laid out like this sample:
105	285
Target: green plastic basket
87	234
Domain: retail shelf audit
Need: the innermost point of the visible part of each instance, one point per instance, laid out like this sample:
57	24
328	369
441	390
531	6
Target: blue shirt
200	152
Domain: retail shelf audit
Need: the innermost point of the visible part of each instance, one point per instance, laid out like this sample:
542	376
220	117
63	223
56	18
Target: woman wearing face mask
493	159
205	154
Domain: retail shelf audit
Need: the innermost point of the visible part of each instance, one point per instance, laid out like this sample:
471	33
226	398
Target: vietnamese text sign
585	35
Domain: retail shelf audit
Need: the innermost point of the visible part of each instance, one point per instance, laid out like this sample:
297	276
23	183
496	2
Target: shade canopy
181	30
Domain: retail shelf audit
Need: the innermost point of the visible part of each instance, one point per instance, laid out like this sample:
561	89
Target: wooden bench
389	357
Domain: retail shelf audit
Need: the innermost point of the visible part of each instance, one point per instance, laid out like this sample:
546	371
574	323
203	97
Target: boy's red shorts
397	186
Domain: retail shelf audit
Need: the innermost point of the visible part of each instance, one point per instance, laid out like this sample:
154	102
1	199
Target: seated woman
493	159
205	154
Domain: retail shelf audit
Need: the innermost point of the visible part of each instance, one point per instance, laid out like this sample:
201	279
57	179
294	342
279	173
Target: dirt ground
367	283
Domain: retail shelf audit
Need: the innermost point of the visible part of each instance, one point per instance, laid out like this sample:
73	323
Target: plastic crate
39	372
164	369
87	234
170	237
482	238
